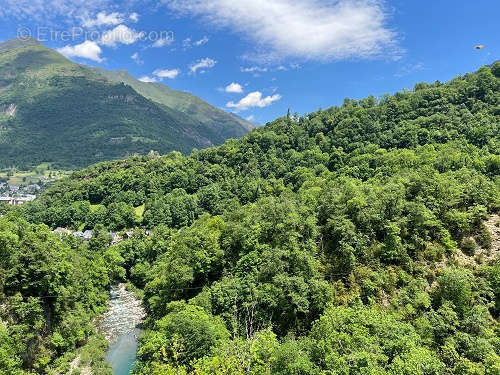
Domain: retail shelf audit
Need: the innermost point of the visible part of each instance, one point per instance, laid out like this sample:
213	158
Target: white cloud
104	19
205	63
164	41
201	42
253	69
167	73
321	30
68	13
87	50
188	42
121	34
48	10
408	69
254	99
137	58
250	118
148	79
234	88
134	17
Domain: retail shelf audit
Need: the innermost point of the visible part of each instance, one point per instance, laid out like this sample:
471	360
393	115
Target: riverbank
121	326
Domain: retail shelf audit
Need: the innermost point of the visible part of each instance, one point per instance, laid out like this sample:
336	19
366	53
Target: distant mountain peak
17	43
220	121
54	110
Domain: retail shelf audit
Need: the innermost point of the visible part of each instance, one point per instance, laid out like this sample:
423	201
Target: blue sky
260	57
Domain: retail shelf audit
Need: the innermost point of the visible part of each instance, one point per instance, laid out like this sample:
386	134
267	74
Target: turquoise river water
121	326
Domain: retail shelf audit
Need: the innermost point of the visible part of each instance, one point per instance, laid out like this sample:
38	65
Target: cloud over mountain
254	99
202	64
167	73
234	88
87	50
104	19
304	29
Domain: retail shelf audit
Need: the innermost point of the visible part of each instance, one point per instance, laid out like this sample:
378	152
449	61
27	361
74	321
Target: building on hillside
17	201
86	236
115	238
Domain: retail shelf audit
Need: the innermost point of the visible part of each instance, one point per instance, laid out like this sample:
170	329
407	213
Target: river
121	326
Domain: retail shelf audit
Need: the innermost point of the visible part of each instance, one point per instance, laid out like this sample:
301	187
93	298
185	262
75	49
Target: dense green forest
361	239
53	110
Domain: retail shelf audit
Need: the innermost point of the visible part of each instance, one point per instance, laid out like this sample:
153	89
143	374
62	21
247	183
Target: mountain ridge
163	94
54	110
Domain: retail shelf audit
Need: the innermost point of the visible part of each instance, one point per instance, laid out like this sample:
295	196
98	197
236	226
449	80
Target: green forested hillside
52	110
361	239
224	125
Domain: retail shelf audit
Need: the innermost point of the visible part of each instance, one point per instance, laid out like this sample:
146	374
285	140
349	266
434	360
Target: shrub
469	246
484	239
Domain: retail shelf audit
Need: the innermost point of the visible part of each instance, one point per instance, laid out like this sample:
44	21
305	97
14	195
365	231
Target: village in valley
18	187
17	195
